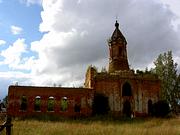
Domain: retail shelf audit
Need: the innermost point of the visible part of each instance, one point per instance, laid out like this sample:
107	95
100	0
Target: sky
48	42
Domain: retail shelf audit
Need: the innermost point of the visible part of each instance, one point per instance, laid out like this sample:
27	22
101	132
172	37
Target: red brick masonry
80	96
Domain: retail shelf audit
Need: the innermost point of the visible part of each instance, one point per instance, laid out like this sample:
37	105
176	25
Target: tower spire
117	25
117	51
117	33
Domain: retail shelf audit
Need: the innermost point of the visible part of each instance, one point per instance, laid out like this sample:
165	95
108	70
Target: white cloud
12	55
30	2
10	78
16	30
76	35
13	74
174	6
77	32
2	42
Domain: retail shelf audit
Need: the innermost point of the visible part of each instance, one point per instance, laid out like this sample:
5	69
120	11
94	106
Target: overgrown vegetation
5	100
51	103
98	126
160	108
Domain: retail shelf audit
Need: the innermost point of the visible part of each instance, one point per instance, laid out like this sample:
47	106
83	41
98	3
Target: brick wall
144	88
75	96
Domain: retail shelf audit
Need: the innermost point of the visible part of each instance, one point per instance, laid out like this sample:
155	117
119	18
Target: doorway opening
150	107
127	108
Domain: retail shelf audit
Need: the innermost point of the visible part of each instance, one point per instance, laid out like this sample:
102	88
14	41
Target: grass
98	126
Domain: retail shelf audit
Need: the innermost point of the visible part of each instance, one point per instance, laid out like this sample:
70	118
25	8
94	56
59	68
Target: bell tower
117	51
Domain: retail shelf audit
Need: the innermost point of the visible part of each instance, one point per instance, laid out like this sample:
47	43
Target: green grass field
154	126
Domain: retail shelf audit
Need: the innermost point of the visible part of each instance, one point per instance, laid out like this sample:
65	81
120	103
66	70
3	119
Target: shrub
161	108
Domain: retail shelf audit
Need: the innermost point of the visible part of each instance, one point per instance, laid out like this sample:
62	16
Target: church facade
127	92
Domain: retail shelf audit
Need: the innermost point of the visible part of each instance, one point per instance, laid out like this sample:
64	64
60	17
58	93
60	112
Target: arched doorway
127	108
126	95
150	107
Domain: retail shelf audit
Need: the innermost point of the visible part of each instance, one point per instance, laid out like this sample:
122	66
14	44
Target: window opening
127	108
64	104
23	105
77	108
51	101
37	103
150	107
126	90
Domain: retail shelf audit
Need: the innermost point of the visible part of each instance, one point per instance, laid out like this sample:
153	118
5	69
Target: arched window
126	90
64	104
150	107
50	106
37	103
23	105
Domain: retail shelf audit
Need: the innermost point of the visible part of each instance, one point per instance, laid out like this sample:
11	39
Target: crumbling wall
144	88
90	74
79	98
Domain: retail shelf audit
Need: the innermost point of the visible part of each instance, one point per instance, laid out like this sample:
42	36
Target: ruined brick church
126	90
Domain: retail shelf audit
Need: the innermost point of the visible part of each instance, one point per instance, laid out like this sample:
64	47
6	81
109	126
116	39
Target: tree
166	69
160	108
176	96
103	70
5	100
